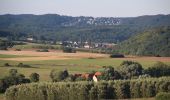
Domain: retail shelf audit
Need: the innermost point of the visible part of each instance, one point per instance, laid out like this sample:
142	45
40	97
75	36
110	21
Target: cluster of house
75	44
94	77
87	45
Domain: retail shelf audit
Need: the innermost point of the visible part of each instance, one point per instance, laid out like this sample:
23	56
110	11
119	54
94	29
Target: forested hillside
155	42
58	28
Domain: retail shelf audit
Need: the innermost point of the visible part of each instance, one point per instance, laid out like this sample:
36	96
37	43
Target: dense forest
60	28
154	42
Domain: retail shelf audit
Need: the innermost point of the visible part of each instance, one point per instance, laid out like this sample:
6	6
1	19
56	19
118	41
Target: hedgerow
119	89
163	96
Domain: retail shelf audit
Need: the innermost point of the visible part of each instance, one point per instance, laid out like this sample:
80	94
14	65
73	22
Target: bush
68	50
6	65
23	65
119	89
163	96
159	69
126	62
17	49
42	50
34	77
56	75
13	72
108	73
14	78
130	69
117	56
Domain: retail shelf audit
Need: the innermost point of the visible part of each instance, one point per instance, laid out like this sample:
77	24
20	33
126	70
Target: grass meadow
72	65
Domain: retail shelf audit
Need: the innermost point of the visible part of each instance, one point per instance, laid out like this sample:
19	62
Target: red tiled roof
87	75
98	74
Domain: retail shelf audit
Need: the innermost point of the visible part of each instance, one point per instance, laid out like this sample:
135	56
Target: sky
95	8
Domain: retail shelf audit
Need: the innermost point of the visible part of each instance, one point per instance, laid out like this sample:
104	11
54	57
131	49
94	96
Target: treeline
15	78
60	28
120	89
4	44
153	42
126	70
46	46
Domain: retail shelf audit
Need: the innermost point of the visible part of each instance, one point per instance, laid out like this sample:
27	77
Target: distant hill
59	28
154	42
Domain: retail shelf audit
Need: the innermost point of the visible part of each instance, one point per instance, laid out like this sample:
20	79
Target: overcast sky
96	8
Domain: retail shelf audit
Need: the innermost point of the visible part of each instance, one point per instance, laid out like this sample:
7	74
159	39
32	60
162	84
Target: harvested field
32	55
52	55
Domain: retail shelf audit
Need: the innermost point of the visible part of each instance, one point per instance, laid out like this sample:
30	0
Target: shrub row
69	50
45	47
88	90
42	50
117	56
163	96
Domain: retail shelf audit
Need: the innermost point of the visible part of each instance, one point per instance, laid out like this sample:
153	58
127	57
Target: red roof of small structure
98	74
87	75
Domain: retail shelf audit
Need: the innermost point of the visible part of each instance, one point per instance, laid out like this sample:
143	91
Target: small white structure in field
95	78
87	46
30	39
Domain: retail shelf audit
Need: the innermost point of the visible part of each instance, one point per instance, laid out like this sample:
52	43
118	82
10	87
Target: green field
72	65
13	56
36	46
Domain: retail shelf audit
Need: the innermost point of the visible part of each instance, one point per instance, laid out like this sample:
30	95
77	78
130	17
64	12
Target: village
76	44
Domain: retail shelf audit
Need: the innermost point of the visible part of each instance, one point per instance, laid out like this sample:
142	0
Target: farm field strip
80	62
54	55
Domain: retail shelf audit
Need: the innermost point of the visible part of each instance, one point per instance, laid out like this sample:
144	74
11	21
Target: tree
34	77
65	73
70	78
109	73
117	56
4	44
158	69
23	65
58	75
13	72
130	69
6	65
69	50
14	78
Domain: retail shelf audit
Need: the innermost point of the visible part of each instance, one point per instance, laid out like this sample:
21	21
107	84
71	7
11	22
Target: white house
95	78
30	39
86	46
